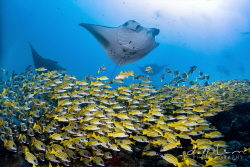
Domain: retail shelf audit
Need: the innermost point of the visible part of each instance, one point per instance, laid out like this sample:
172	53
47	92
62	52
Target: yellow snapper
123	75
102	78
171	159
150	153
51	157
98	161
38	144
10	145
41	69
31	158
56	136
62	155
86	161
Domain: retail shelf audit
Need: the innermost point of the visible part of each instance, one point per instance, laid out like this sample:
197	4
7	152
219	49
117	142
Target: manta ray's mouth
155	31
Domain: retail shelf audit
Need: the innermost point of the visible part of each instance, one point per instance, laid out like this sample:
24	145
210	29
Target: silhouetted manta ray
39	61
155	68
124	44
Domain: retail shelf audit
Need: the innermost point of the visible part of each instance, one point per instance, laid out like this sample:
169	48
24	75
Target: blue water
213	35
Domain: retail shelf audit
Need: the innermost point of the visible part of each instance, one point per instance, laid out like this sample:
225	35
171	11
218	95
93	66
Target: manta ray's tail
113	71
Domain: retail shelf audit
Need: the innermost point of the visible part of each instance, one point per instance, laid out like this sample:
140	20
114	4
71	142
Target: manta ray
39	61
125	44
155	68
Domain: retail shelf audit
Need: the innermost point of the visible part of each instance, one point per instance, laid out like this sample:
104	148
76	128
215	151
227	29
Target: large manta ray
155	68
39	61
124	44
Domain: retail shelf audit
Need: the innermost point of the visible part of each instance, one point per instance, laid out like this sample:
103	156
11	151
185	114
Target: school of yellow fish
55	117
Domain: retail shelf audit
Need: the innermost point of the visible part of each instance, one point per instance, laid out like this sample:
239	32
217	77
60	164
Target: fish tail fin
245	149
178	143
192	141
180	164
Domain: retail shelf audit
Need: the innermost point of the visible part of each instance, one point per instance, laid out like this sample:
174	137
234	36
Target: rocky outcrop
235	126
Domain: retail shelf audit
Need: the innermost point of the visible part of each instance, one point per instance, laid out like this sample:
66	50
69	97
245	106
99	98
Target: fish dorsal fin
94	135
34	125
53	151
20	136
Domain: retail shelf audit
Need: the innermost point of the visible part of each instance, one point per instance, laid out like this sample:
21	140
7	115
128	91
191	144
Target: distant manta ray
39	61
125	44
155	68
245	33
